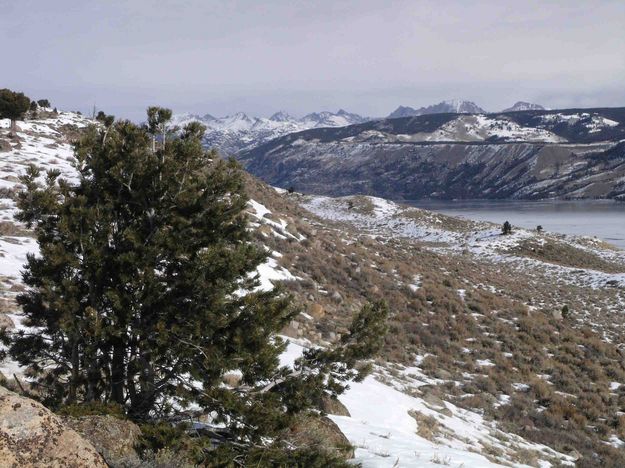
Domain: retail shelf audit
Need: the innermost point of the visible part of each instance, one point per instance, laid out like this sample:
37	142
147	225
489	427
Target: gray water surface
604	219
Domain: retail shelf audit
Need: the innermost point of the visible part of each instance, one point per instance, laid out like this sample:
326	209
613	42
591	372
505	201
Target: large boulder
115	439
33	436
331	405
321	433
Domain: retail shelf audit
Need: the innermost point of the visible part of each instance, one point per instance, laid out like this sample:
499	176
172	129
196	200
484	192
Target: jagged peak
281	116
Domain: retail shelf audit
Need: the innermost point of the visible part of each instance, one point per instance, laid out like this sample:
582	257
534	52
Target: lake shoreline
600	218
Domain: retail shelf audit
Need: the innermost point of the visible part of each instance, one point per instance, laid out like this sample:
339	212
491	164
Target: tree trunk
13	128
145	399
118	376
73	385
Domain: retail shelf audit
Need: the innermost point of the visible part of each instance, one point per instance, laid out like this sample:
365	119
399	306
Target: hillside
574	153
482	366
478	321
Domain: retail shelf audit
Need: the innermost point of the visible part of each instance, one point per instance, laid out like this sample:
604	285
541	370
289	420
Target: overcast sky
368	57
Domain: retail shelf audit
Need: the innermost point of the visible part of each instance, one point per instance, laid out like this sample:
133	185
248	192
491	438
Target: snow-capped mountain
574	153
523	106
328	119
237	132
454	106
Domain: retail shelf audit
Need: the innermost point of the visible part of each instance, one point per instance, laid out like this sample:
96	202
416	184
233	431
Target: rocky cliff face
525	155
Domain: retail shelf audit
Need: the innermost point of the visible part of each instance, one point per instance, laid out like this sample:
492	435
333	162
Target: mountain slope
454	106
479	368
527	154
523	106
237	132
476	324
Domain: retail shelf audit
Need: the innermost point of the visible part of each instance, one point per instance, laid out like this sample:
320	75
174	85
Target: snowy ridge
453	106
484	127
385	217
593	123
239	131
523	106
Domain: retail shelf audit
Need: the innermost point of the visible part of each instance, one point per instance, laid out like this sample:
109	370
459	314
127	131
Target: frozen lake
604	219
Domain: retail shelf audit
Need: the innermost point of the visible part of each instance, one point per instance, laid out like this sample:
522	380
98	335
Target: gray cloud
365	56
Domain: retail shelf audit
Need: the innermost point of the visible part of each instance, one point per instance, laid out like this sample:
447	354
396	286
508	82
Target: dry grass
563	254
427	426
509	322
8	228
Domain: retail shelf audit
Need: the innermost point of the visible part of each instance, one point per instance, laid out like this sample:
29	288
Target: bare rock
321	433
33	436
115	439
291	330
336	297
331	405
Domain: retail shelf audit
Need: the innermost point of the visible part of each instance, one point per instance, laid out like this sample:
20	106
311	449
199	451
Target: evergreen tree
158	118
506	229
106	120
43	103
33	109
137	295
13	105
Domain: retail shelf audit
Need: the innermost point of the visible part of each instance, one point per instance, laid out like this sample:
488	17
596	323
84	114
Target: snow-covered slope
239	131
454	106
391	428
479	127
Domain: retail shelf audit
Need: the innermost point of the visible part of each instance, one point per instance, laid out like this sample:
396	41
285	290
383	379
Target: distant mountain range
237	132
457	106
240	132
454	106
524	154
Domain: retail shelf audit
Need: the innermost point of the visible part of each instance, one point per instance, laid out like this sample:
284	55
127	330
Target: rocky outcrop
320	433
115	439
332	405
32	436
